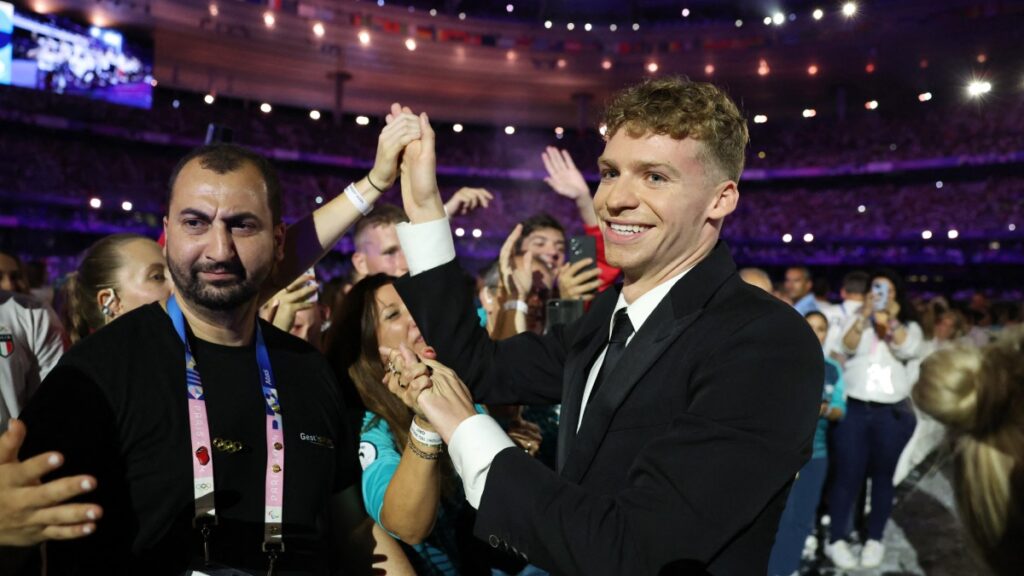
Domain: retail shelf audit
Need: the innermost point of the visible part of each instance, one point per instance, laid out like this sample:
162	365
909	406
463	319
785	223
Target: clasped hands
431	389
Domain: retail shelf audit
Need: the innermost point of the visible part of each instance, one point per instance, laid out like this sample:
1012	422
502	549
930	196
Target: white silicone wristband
517	305
423	436
357	199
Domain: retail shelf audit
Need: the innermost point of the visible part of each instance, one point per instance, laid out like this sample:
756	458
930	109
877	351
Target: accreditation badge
880	379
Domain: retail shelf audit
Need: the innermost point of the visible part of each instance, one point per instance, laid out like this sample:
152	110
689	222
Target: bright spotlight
862	209
760	119
95	202
588	27
364	37
812	70
924	96
871	105
477	233
808	238
314	114
603	129
818	14
810	112
606	64
952	234
268	19
559	131
319	199
762	68
652	67
510	130
787	238
767	20
265	108
319	30
209	99
362	120
978	87
457	128
926	234
778	18
547	24
410	44
849	9
460	232
126	206
709	69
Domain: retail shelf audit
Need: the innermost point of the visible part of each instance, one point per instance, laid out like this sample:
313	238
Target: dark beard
220	296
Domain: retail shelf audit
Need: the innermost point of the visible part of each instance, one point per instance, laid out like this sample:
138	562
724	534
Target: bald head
757	277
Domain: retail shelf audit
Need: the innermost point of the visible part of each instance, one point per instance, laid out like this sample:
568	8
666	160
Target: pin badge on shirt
203	455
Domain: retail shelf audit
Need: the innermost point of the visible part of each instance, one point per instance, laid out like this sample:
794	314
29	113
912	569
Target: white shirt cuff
426	245
474	444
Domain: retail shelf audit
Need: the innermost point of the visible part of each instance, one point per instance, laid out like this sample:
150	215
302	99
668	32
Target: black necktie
622	329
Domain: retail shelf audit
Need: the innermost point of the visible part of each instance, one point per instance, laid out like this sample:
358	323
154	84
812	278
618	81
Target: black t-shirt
116	406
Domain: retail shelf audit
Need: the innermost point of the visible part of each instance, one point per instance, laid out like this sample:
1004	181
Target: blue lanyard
202	461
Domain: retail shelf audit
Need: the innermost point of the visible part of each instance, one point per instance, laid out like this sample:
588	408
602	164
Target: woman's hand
403	127
447	402
282	307
526	435
405	375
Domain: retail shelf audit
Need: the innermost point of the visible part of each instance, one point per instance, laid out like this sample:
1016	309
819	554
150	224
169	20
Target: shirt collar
644	306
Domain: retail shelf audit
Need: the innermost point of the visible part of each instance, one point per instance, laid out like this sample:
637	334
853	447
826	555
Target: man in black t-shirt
118	407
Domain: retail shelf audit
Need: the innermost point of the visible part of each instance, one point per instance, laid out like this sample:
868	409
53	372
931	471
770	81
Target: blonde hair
979	394
97	271
681	108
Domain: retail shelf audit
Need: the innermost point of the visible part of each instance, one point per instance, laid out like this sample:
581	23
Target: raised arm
567	180
307	240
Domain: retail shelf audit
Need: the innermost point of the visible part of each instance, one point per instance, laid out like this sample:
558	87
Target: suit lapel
646	347
676	312
585	347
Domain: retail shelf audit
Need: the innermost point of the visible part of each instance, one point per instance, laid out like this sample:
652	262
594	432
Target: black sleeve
730	452
524	369
71	415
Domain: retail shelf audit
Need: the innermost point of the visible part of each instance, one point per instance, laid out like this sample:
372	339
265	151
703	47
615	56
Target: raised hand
577	282
516	278
567	180
401	128
465	200
30	511
420	195
563	176
282	307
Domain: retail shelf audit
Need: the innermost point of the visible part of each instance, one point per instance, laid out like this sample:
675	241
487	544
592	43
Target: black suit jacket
685	455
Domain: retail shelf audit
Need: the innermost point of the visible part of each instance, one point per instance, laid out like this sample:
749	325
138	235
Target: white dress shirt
478	439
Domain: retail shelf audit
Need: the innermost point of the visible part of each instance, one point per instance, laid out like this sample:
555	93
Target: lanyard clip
205	525
273	551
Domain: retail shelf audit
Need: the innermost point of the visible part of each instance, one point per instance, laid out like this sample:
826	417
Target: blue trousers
798	518
867	443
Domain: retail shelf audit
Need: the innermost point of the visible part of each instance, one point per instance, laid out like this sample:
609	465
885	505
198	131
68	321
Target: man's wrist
420	212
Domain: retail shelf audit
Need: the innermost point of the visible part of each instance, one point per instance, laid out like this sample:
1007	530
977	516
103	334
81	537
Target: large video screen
59	55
